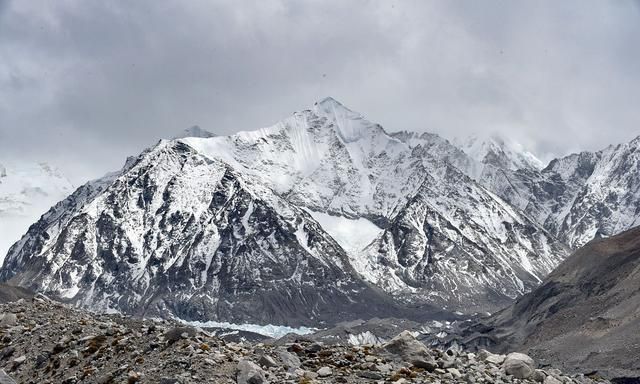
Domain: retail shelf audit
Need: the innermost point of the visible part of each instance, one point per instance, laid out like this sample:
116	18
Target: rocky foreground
42	341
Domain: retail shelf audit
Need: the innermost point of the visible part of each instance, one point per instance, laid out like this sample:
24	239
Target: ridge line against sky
83	84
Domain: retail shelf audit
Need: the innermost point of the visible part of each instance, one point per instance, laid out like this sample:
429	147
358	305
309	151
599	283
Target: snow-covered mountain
27	190
177	233
319	217
581	196
196	220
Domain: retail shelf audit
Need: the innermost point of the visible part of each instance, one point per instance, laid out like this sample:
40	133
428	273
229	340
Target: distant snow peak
504	153
350	125
195	131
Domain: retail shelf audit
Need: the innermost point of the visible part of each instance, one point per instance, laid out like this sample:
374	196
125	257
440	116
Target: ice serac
175	233
27	190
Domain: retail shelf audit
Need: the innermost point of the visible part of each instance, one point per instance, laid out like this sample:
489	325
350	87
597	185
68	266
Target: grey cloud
86	83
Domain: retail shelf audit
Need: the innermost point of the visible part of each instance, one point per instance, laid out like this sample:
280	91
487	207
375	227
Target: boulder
406	347
551	380
250	373
325	372
289	360
267	361
519	365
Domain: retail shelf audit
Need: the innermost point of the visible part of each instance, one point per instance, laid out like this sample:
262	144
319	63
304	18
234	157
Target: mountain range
320	217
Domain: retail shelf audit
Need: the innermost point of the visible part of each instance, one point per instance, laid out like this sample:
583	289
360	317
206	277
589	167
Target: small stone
427	364
551	380
313	348
454	372
325	372
267	361
370	375
178	333
6	352
133	377
310	375
489	357
538	376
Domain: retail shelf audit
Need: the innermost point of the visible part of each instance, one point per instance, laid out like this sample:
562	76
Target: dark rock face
584	315
178	234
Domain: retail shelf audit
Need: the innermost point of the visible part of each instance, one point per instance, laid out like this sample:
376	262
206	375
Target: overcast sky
83	84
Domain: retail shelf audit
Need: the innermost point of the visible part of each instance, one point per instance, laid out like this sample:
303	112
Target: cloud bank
85	83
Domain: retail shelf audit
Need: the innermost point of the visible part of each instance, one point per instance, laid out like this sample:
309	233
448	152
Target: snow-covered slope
27	190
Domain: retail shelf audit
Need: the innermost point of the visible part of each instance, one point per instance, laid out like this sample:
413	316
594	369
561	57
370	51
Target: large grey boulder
519	365
250	373
405	347
289	360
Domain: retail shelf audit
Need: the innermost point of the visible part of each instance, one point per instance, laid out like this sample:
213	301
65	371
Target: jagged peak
195	131
332	108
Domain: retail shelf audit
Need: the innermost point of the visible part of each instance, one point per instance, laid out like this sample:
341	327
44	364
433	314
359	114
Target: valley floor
42	341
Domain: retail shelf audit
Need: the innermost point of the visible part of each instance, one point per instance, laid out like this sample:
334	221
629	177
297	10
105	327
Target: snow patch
353	235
